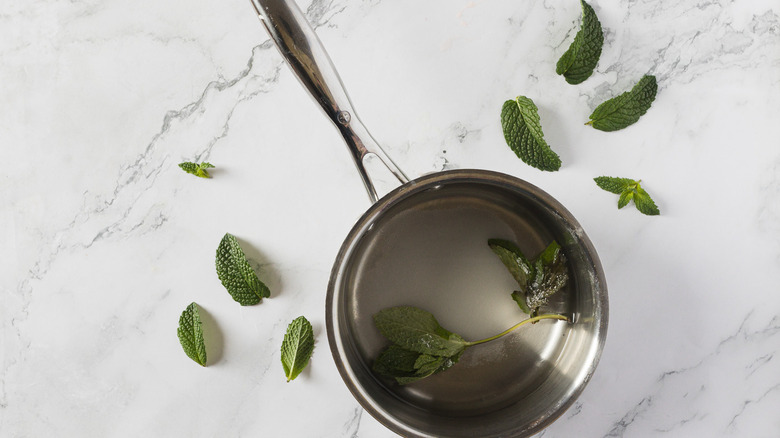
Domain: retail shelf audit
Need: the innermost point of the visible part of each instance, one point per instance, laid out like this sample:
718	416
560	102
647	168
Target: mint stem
521	323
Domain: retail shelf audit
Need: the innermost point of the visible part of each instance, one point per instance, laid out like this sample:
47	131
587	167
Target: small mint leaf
578	62
550	275
297	347
196	169
523	133
237	275
644	203
625	197
522	301
613	185
625	109
190	334
630	190
514	260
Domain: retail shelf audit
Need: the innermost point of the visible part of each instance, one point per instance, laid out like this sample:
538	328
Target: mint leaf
417	330
550	275
613	185
196	169
236	275
580	59
427	365
396	361
514	260
406	366
190	334
624	198
521	299
297	347
523	134
624	110
629	190
538	279
644	203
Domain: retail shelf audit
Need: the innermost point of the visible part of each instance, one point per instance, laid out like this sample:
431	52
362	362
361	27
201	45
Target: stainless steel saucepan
425	244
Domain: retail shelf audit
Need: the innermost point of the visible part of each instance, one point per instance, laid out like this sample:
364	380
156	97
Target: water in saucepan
431	252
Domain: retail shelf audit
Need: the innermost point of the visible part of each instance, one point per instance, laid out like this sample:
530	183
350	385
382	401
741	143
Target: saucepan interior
425	245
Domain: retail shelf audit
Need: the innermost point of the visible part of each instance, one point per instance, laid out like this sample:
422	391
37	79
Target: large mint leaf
578	62
523	133
237	275
514	260
625	109
190	334
297	347
417	330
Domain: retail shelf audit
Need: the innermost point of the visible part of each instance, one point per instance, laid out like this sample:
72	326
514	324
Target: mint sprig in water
578	62
421	347
196	169
629	190
538	279
190	334
523	133
625	109
237	275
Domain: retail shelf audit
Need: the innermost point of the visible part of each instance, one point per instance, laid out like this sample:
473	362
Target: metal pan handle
309	61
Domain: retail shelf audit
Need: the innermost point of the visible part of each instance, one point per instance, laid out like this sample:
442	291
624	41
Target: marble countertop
105	241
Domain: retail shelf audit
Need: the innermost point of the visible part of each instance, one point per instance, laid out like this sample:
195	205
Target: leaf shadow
316	331
215	171
555	134
212	337
264	268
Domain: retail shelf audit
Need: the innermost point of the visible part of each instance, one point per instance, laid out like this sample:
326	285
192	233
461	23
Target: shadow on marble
212	336
263	267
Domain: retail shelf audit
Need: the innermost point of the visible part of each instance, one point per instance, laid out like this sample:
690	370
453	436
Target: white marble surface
104	240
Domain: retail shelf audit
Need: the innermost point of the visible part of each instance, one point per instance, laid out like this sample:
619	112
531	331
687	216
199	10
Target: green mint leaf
196	169
190	334
406	366
514	260
550	275
624	198
297	347
523	134
539	279
426	366
613	185
417	330
237	275
521	299
631	190
580	59
644	203
624	110
396	361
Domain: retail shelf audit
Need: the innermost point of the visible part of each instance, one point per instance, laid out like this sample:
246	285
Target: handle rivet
343	117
